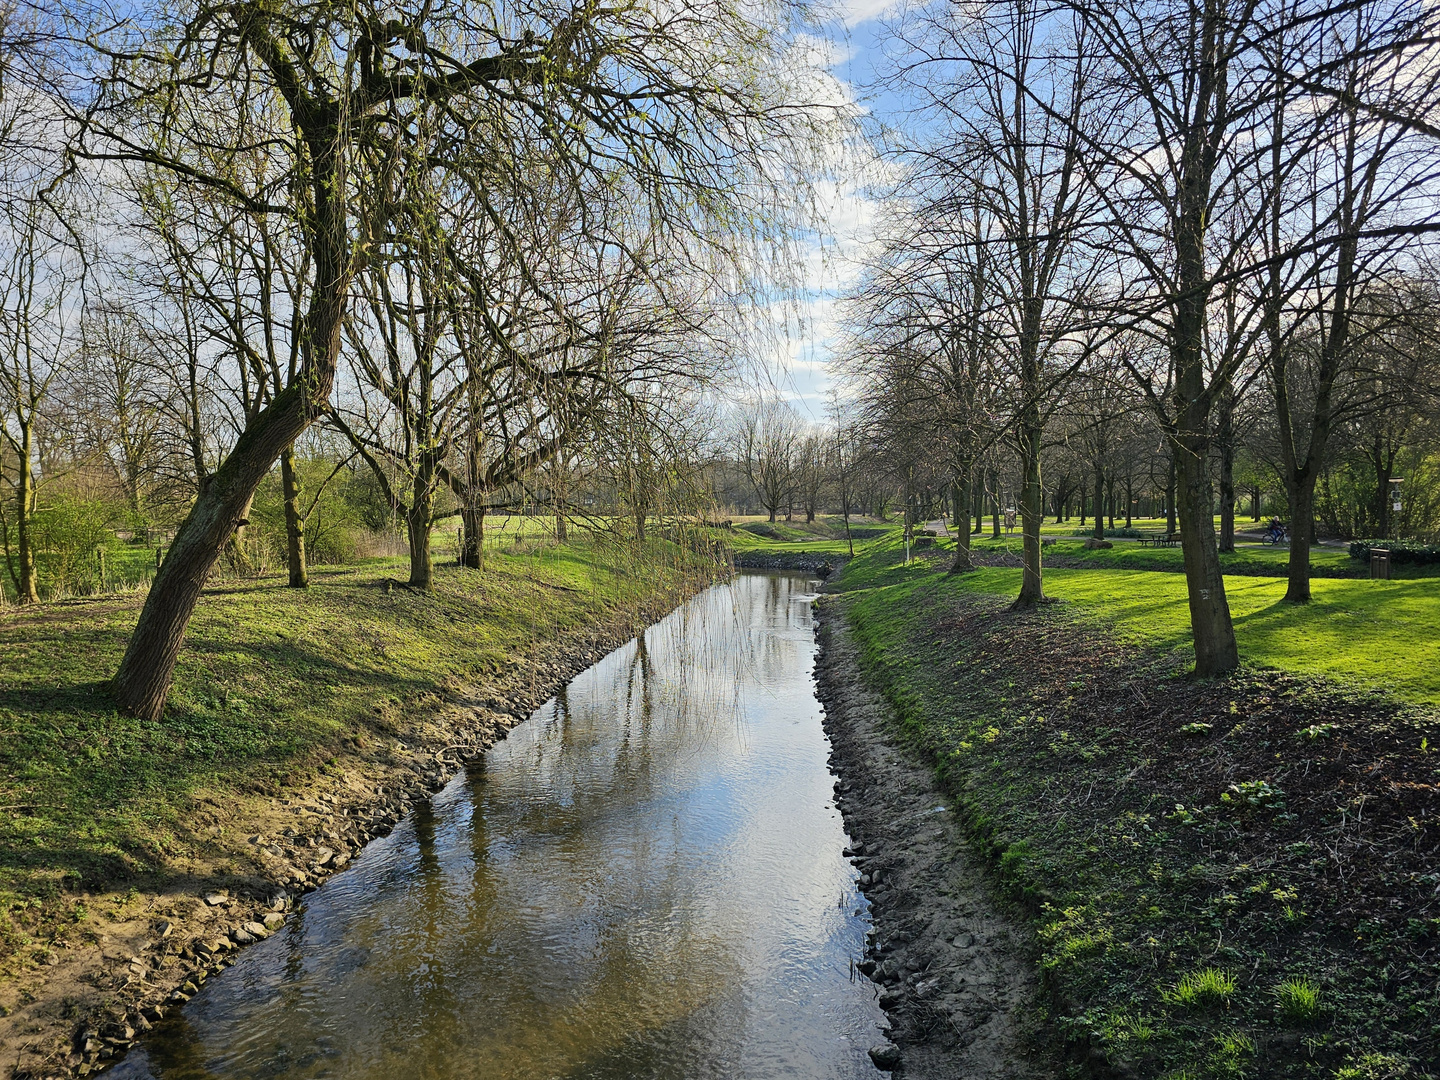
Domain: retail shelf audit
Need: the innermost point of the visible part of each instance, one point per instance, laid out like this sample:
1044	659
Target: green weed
1298	999
1208	986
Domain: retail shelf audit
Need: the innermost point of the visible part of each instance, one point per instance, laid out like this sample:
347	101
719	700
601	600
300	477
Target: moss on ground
1228	878
270	683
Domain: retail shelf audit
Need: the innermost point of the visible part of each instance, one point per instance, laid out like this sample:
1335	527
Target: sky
851	56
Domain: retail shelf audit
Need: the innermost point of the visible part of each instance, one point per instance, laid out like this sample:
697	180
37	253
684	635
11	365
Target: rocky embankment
818	563
140	954
953	972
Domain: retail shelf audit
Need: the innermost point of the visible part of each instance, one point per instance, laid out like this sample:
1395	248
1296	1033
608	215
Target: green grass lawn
1247	558
825	535
1380	634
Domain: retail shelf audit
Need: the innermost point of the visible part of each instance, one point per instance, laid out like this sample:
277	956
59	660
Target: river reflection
644	880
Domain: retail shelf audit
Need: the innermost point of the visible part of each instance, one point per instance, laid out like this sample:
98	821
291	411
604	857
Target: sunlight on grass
1381	633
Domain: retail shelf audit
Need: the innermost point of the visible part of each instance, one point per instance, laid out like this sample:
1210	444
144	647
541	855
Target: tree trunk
1171	524
1225	436
960	498
472	542
143	679
1382	492
27	587
1099	529
995	504
1129	499
1032	512
1301	499
417	533
1216	651
294	523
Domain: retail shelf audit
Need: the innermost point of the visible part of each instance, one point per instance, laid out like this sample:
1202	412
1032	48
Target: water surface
644	880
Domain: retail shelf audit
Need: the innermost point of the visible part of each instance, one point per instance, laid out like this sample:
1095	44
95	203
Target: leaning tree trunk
1032	513
143	680
294	522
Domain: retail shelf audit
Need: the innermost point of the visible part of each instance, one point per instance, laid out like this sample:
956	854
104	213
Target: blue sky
853	57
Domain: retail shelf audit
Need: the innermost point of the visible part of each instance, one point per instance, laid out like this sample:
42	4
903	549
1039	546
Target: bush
1112	534
1401	551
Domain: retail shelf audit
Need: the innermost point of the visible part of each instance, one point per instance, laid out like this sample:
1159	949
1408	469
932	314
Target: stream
645	879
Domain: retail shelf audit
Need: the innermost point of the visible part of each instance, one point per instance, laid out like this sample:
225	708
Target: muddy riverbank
954	970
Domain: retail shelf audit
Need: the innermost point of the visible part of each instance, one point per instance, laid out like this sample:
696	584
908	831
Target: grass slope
1229	878
270	682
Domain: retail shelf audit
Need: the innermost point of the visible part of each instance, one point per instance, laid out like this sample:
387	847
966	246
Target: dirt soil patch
952	967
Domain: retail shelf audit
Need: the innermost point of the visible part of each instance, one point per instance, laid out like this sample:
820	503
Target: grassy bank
1229	878
272	684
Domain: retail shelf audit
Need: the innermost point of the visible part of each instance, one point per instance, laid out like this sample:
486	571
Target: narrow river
645	879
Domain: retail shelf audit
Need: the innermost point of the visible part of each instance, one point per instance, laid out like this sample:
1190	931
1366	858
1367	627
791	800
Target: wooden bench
1159	540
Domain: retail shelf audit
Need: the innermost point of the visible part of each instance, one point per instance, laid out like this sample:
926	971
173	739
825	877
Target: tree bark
995	503
1032	512
1216	651
960	498
1300	496
27	586
1172	524
1225	437
294	522
1098	530
472	543
418	521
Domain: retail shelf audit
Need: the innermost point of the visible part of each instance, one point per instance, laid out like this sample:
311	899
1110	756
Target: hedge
1401	551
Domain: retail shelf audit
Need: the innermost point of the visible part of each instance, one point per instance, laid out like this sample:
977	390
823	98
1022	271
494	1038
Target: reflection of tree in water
555	921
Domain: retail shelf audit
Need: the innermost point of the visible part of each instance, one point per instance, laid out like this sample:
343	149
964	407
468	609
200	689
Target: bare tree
766	440
332	90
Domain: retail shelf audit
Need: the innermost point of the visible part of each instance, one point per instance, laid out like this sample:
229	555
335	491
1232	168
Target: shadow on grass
94	784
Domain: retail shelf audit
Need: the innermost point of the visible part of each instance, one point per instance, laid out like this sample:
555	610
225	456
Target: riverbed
645	879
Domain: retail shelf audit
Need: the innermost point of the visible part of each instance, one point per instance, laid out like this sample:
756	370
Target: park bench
1159	539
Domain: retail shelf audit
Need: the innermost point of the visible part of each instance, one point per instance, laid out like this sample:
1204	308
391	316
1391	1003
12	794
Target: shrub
1112	534
1401	551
